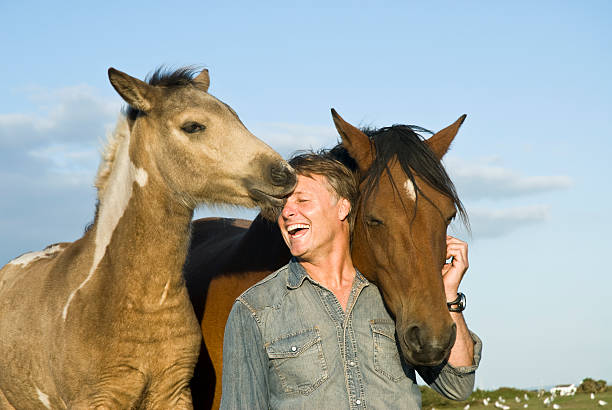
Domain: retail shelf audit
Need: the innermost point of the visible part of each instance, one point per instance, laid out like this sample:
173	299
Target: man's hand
452	273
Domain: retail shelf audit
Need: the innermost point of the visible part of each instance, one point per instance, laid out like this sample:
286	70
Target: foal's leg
170	390
4	403
181	402
120	387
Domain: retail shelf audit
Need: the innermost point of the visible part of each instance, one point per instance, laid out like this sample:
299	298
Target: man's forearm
462	353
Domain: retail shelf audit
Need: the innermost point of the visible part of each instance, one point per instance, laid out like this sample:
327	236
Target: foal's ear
358	145
138	94
440	142
203	80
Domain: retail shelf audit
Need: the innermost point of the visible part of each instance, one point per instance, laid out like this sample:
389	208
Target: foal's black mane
165	77
404	144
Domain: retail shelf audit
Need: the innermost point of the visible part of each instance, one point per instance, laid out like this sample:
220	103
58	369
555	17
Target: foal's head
406	203
195	145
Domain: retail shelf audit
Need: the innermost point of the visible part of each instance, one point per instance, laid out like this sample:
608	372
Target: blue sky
531	162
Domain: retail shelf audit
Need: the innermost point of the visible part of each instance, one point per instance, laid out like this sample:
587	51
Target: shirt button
358	402
352	363
293	348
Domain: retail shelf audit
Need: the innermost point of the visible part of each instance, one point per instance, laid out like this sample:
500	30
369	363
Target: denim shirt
290	345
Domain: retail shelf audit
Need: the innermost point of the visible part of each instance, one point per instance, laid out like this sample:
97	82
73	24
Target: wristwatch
457	305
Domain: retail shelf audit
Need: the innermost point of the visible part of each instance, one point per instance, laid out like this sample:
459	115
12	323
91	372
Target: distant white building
564	390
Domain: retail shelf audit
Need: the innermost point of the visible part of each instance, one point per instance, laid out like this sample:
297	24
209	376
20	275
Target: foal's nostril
282	175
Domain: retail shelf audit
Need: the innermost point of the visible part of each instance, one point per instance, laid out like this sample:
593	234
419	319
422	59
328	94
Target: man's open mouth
297	230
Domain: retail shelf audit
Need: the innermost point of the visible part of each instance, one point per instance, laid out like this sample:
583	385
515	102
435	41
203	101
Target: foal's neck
142	231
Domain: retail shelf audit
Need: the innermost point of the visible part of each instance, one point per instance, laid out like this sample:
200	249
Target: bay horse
105	321
406	201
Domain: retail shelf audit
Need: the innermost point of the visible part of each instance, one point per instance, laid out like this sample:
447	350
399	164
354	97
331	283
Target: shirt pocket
298	360
387	360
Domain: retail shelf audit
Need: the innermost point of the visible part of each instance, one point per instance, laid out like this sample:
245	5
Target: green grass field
432	400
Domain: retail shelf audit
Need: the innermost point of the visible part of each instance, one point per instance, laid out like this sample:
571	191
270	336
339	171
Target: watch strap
457	305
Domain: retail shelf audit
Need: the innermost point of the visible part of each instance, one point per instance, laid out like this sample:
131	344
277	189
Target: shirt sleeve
245	362
455	383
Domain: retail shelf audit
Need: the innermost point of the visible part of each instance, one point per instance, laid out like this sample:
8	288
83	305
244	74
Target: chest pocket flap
298	361
387	360
385	328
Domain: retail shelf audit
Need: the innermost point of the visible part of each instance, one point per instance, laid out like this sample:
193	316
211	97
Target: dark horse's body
245	253
399	243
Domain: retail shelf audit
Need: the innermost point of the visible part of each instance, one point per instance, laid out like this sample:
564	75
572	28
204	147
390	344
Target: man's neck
335	272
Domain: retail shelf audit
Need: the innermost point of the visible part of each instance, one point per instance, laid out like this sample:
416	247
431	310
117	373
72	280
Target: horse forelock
406	145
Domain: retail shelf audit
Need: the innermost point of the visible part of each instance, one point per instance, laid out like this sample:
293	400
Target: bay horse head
196	145
406	203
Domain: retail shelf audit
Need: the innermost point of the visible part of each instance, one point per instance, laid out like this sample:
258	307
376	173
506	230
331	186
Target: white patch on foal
44	399
27	258
164	293
114	202
409	187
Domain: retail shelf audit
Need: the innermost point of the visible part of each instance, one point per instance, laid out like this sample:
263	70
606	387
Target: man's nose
288	210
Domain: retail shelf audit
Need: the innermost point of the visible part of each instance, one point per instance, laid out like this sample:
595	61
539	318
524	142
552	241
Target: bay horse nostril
413	338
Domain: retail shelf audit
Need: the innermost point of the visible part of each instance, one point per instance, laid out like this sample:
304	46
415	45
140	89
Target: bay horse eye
193	127
372	221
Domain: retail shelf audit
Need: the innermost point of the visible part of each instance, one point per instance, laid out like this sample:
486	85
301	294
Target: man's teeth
293	228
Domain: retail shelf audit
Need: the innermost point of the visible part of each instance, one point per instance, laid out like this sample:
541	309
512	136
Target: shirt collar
297	274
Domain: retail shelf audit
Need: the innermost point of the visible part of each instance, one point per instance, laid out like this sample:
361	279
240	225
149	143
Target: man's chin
298	251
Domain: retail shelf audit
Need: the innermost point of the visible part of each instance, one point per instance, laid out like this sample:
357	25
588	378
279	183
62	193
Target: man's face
311	220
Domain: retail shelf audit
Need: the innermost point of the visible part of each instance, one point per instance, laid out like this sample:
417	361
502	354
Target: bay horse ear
135	92
358	145
203	79
440	142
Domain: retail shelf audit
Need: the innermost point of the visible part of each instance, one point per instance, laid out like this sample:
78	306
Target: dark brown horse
406	203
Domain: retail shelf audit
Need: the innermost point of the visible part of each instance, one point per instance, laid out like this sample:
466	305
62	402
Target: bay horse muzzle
420	347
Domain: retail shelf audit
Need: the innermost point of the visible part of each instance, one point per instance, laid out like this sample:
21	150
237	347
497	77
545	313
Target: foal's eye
193	127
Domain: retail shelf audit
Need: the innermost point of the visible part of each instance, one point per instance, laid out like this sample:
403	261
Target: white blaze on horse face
410	191
113	204
44	399
27	258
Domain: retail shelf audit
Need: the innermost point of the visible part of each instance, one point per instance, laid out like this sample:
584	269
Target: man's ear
344	209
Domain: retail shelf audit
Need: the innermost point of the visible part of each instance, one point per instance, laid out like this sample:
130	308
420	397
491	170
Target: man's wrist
451	294
458	304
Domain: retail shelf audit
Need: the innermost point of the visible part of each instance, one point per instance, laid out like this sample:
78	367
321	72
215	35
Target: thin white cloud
485	180
48	161
491	223
287	138
59	140
71	114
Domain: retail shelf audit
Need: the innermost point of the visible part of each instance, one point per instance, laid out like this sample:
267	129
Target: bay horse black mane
405	144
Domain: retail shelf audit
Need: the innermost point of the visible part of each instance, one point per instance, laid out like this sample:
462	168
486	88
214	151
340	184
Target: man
285	335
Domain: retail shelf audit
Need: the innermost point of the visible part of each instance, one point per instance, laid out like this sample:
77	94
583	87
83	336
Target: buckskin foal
105	322
406	201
